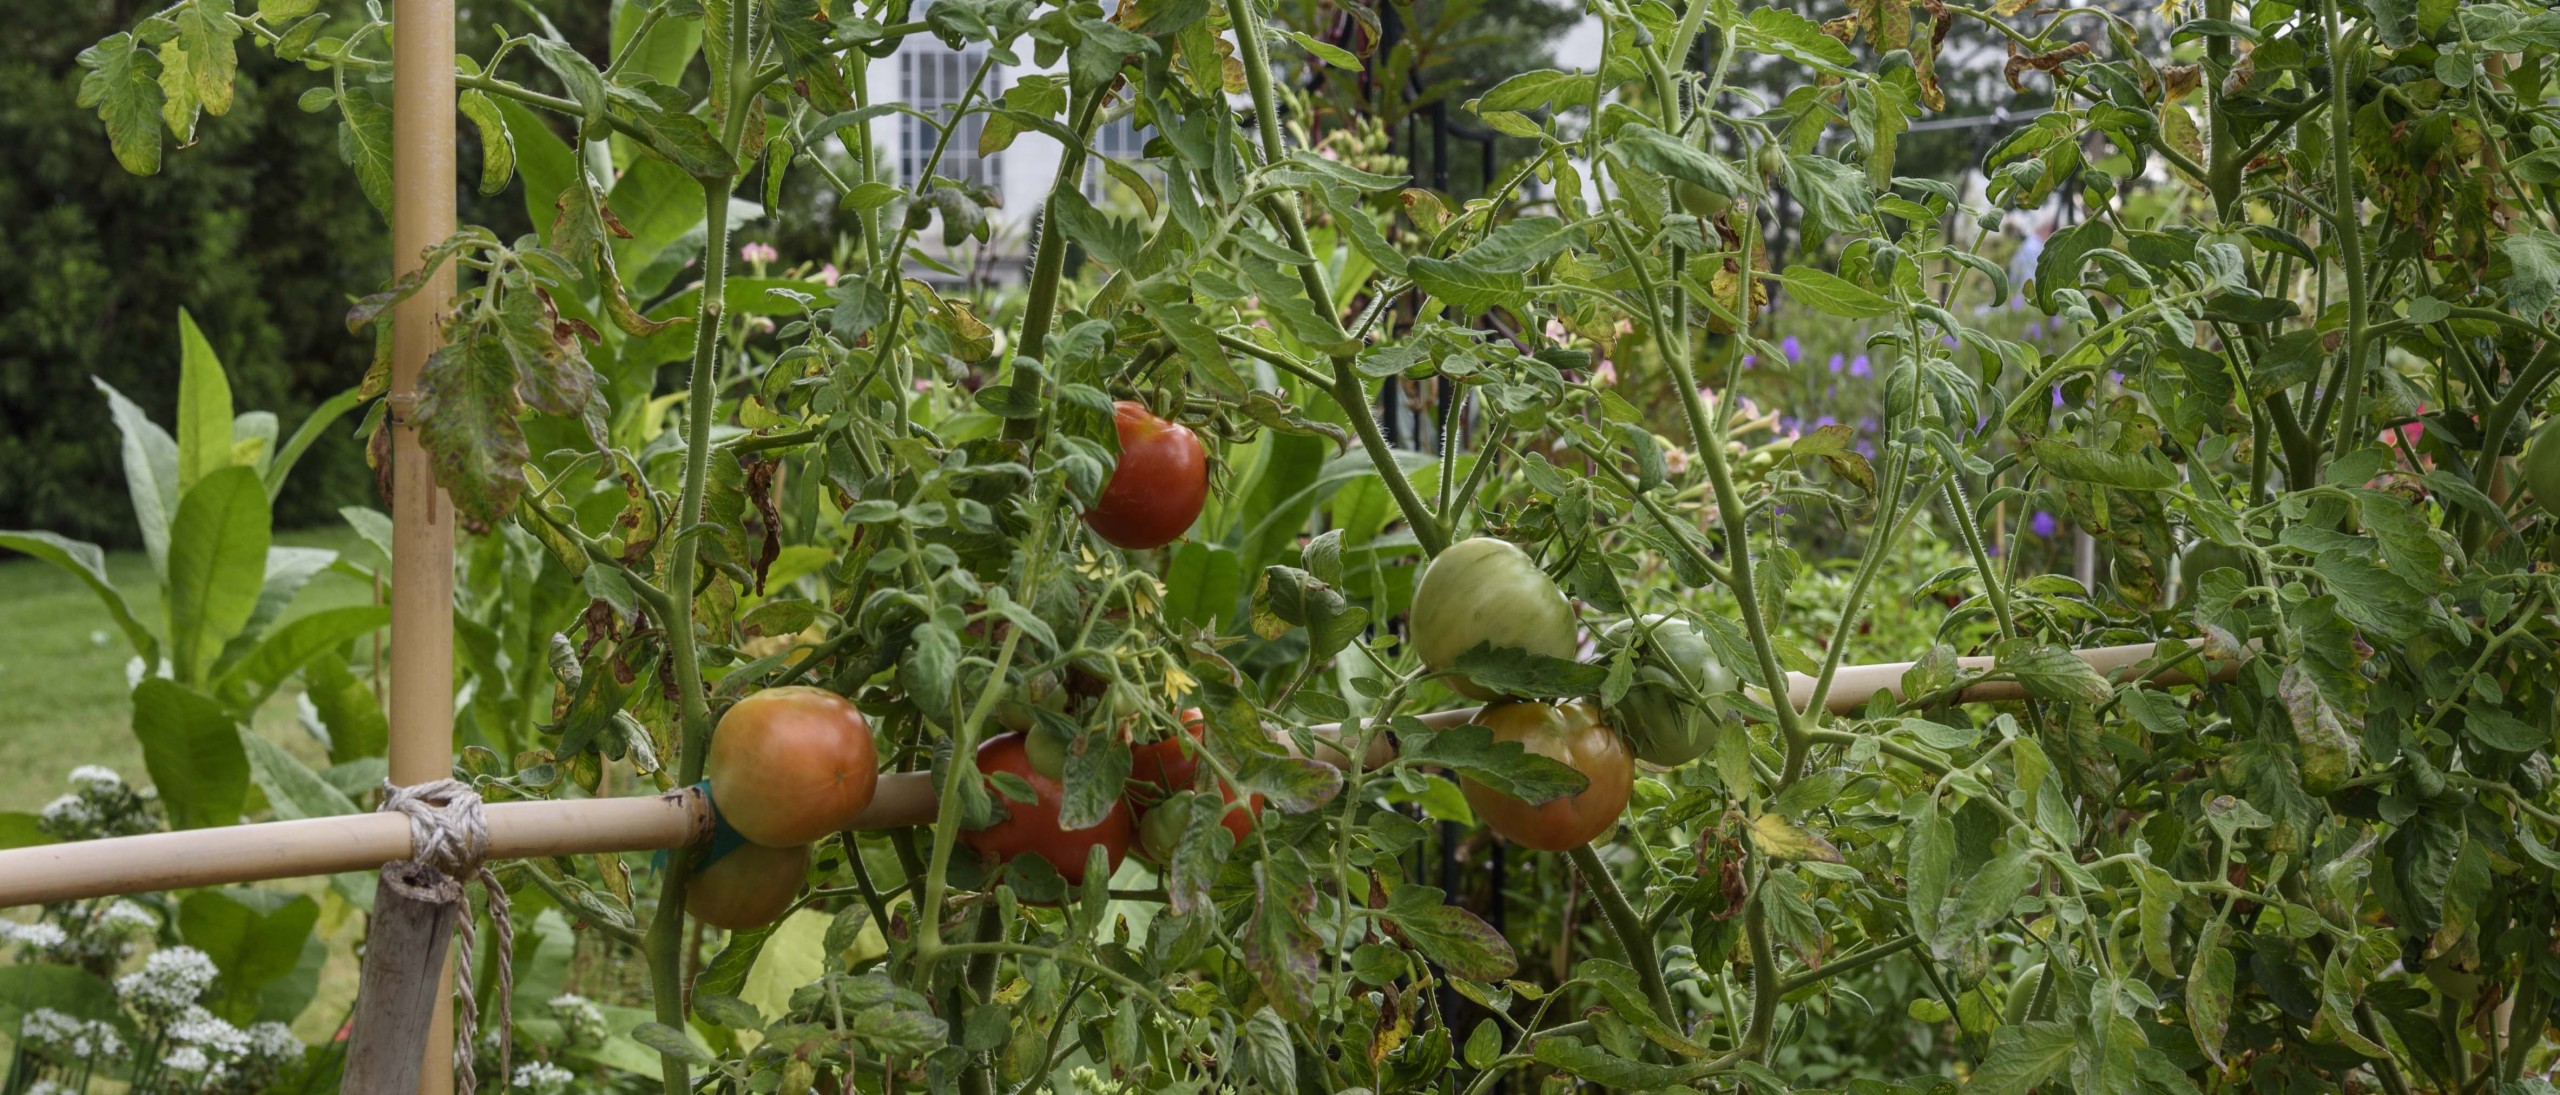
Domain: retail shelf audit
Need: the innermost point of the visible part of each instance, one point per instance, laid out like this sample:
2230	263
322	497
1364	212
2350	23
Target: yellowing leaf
1779	838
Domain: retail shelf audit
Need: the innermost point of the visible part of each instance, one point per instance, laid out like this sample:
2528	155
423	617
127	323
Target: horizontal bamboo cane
327	845
292	849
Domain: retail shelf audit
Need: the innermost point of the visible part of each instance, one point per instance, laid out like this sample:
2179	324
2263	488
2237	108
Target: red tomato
748	888
1567	732
790	765
1163	766
1032	828
1159	486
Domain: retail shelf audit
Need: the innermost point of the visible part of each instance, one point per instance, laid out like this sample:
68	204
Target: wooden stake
415	908
422	215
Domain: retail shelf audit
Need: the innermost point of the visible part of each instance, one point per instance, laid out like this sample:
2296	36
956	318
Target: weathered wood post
410	929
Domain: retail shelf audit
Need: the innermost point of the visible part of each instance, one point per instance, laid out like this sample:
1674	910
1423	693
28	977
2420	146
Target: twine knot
448	833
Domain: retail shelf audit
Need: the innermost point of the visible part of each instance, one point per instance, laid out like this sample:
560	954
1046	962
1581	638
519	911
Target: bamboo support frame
289	849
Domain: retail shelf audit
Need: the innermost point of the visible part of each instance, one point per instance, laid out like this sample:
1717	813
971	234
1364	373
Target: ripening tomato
748	888
1573	734
2542	466
1159	486
1487	590
1031	828
790	765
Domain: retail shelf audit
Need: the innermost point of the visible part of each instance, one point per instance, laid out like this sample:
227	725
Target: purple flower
1830	391
1859	366
1825	420
1749	360
1949	340
2042	525
1794	349
1835	362
1866	449
2035	329
2116	377
2057	395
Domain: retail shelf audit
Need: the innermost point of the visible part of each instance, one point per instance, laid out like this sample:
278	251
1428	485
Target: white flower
274	1041
37	936
169	981
125	915
541	1075
69	810
187	1059
48	1087
203	1028
96	777
46	1026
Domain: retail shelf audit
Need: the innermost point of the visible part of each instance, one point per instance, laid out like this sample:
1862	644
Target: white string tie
448	833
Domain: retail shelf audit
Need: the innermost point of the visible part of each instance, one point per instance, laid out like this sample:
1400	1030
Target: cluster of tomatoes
790	765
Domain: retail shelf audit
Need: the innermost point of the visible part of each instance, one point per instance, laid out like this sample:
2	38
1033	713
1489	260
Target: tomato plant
2263	287
789	765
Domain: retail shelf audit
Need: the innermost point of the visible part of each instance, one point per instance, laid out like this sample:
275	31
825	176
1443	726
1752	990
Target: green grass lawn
63	665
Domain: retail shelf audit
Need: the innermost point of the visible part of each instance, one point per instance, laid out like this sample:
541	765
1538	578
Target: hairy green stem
1629	928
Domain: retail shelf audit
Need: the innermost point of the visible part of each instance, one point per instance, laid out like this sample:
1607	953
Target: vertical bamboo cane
423	204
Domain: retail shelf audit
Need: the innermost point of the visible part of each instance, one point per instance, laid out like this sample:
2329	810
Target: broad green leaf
1985	900
1781	32
2534	254
204	407
1673	158
1537	90
90	564
283	651
217	563
150	473
1270	1053
1603	1067
1928	858
1521	244
2053	673
1503	766
192	749
123	85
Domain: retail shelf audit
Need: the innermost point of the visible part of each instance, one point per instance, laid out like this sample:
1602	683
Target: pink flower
923	385
1605	373
828	274
1555	330
759	254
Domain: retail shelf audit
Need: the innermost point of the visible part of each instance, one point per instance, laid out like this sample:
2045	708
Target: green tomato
2542	467
1047	751
1698	201
1021	698
1487	591
1656	715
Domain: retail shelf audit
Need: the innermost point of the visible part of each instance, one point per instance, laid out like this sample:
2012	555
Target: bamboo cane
291	849
423	209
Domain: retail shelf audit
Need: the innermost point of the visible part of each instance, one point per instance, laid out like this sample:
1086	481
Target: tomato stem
1633	940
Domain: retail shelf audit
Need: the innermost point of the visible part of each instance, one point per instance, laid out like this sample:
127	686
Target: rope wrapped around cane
447	832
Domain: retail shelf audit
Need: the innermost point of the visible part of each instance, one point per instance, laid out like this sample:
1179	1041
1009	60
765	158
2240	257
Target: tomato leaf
1502	766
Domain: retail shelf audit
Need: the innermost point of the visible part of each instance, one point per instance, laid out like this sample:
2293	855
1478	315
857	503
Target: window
932	78
1119	139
